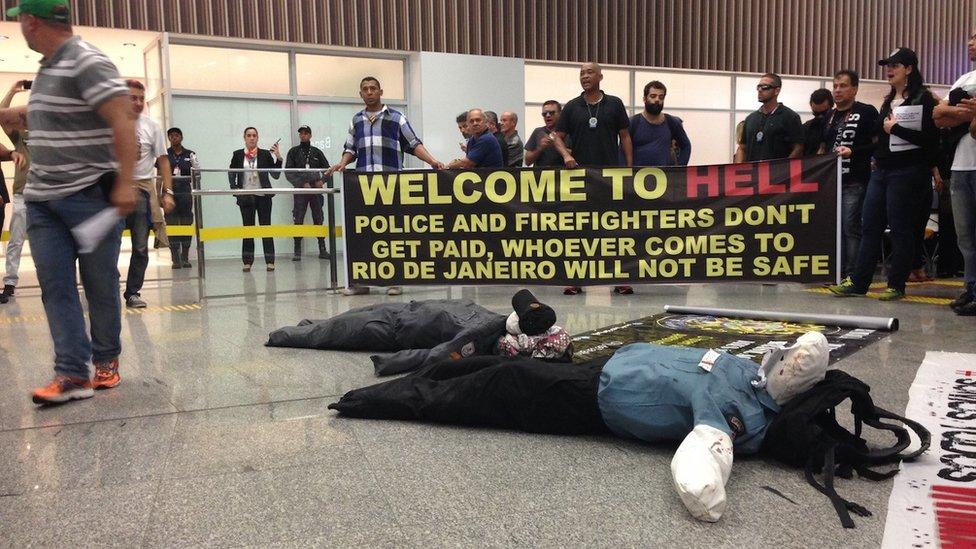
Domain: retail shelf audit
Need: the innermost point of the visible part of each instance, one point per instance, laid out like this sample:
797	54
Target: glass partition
335	76
544	82
687	90
230	70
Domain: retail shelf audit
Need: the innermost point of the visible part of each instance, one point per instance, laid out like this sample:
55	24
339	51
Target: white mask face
794	369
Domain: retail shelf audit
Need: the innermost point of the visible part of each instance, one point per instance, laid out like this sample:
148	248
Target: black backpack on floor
806	434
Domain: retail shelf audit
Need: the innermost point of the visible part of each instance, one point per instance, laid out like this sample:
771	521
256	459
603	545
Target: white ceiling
124	47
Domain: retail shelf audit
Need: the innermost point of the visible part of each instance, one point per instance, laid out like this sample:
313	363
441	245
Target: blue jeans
138	223
893	200
963	189
852	202
55	252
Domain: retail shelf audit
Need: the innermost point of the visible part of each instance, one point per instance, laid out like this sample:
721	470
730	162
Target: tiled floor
214	439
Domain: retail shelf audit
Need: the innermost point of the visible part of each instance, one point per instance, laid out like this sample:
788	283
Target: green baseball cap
55	10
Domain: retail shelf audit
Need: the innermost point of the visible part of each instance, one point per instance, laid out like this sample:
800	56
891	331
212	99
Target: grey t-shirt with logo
71	145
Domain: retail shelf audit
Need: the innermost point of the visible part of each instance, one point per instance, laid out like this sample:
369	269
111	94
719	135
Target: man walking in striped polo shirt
83	150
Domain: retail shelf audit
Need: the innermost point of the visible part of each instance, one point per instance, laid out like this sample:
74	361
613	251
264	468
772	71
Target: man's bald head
590	77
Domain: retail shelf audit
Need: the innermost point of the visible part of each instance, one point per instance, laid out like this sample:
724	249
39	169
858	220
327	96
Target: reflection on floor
214	439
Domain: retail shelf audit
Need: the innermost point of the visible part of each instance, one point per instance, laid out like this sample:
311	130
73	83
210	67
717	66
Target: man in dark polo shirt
483	150
773	131
599	127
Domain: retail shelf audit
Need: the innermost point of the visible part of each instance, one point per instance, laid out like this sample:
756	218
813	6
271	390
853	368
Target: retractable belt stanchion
198	193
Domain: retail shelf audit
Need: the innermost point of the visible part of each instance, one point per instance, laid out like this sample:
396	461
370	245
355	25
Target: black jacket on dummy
418	333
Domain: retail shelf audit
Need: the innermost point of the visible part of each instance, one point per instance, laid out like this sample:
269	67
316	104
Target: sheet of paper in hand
907	117
89	233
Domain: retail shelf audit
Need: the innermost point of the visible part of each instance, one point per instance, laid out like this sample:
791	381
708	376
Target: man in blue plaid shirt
378	137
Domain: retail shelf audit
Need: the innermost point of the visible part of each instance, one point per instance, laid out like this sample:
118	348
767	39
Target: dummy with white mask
702	464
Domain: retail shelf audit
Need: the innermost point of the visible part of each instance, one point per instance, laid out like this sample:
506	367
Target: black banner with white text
770	221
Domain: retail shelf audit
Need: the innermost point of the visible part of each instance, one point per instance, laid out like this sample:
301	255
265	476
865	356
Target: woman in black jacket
251	157
901	183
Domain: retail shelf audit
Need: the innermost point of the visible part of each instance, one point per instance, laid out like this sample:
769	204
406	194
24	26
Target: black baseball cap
304	129
902	55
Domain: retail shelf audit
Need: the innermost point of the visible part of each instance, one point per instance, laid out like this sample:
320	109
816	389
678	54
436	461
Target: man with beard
659	139
378	138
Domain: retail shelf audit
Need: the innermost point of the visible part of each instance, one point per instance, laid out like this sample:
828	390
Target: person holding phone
253	158
17	132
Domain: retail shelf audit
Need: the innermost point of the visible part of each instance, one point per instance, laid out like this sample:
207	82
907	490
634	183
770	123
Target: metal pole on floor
844	321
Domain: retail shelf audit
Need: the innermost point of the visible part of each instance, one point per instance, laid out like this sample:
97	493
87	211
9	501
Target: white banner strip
933	501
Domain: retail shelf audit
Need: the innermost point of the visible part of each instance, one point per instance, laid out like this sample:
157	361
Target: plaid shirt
379	146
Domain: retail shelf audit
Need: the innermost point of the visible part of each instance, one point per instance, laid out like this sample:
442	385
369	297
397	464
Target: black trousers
261	207
304	202
489	391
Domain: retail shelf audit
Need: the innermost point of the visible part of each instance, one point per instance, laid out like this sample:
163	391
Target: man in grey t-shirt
83	153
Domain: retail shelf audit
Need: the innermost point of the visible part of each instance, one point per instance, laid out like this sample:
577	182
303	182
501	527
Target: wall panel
801	37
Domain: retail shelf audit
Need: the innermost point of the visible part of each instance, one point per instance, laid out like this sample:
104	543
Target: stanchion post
333	262
197	225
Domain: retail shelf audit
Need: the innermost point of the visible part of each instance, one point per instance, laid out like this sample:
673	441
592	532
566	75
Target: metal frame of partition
293	50
330	192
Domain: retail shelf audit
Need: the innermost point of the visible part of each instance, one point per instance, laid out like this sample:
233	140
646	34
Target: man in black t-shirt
599	127
821	102
849	132
774	131
595	121
540	149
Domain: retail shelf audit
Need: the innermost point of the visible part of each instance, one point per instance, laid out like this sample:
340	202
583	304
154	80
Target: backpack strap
842	507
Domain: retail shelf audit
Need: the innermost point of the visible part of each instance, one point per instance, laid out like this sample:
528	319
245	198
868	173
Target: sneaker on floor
62	389
965	297
969	309
297	256
572	290
623	290
844	289
891	294
8	290
355	290
324	254
134	301
187	264
106	375
394	290
247	268
4	298
270	267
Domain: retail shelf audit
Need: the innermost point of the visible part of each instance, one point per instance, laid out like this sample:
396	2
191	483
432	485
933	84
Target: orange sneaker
107	375
63	389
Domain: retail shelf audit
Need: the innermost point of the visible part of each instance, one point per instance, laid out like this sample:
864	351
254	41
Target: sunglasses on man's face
548	113
765	87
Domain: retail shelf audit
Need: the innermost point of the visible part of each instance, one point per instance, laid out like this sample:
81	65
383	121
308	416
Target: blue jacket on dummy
652	392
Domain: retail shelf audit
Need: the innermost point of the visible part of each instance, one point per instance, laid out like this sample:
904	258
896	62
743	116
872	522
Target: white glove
512	325
700	468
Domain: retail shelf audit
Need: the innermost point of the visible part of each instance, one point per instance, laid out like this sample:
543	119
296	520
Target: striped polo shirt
71	145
